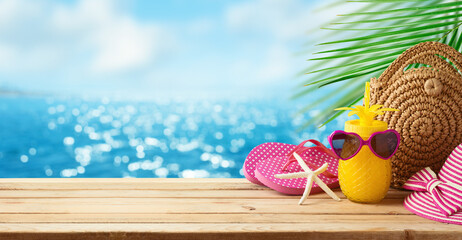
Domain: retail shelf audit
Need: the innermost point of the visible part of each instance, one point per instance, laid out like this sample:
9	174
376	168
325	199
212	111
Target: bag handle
428	53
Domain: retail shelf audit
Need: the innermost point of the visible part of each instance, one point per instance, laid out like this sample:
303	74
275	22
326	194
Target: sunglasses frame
363	143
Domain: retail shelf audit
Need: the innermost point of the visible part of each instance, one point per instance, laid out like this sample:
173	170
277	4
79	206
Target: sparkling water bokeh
79	137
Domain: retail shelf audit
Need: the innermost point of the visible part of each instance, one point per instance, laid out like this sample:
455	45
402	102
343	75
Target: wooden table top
197	209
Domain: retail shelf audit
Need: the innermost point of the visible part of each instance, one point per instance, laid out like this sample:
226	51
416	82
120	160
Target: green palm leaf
368	42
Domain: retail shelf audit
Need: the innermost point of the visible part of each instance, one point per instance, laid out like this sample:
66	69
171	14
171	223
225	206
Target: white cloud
277	65
119	41
12	11
201	26
7	56
90	37
126	46
265	35
284	19
285	25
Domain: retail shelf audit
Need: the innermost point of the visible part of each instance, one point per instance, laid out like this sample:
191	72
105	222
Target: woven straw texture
430	103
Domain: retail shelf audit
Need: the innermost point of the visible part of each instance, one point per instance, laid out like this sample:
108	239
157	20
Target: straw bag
430	103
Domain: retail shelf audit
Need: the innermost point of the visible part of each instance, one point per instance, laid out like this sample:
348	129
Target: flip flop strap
300	149
301	146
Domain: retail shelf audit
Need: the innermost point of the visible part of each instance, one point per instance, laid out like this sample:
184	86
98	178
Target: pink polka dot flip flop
263	152
314	157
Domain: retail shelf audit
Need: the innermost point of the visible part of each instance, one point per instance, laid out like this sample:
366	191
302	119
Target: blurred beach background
151	88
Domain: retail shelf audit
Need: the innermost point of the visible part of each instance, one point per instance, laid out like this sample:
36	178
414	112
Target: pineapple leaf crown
367	113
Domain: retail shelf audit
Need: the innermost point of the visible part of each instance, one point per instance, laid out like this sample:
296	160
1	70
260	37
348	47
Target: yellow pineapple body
365	178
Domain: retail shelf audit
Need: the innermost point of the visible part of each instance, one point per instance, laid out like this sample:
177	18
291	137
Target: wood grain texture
197	209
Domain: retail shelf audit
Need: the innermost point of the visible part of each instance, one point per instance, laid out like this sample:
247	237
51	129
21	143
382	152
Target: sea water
44	136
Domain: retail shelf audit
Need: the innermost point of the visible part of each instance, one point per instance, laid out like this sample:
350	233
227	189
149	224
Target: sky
175	47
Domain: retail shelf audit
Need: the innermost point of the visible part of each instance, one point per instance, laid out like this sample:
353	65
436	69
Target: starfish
311	176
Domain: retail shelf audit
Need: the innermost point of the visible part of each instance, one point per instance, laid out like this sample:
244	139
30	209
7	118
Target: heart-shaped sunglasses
347	144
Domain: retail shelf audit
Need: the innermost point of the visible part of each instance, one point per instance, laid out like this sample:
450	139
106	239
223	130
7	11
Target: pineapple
365	178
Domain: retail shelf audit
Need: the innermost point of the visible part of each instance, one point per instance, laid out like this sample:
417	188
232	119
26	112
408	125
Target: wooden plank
17	188
146	205
127	180
142	184
127	183
366	230
218	236
206	218
65	193
128	186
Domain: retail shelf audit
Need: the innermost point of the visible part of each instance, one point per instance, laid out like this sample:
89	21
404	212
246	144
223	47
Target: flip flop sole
262	152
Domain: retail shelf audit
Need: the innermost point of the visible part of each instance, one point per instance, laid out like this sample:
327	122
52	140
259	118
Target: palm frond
368	41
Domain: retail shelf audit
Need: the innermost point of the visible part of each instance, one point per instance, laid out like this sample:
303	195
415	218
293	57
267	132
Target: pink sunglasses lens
345	145
384	144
